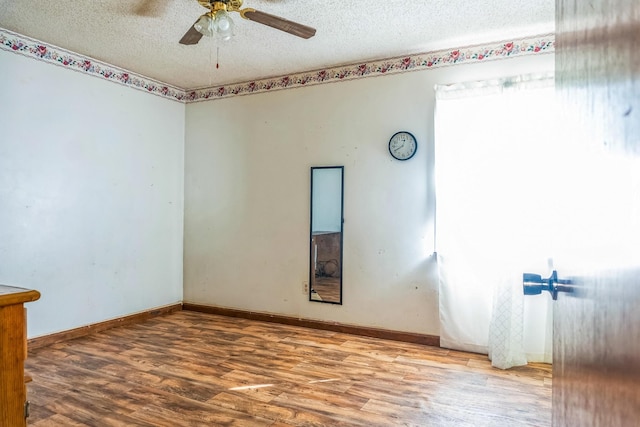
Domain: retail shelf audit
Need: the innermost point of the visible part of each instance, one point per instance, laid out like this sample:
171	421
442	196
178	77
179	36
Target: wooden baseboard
386	334
70	334
409	337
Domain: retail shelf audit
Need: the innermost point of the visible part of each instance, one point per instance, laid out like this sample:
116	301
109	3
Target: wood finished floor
195	369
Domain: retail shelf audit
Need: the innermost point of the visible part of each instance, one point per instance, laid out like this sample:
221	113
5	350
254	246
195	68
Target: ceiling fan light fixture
205	25
223	25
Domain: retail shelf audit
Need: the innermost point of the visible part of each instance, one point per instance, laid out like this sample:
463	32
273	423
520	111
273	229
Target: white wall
247	196
91	195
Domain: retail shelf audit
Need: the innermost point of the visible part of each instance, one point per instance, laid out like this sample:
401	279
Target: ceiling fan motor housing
215	5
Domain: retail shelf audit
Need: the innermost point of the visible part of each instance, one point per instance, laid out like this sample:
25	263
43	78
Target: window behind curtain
494	181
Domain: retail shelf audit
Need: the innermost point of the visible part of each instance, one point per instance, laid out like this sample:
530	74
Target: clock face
403	145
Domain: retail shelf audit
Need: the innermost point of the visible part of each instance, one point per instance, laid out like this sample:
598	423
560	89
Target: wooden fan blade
192	36
279	23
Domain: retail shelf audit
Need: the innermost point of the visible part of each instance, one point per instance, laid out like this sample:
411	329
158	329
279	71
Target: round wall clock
403	145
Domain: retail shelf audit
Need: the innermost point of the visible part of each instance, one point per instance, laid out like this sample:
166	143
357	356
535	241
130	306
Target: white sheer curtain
494	171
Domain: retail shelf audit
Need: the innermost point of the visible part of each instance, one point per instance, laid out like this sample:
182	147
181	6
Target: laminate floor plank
338	415
196	369
251	404
56	420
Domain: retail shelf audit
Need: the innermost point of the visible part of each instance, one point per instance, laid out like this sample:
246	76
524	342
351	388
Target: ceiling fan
218	21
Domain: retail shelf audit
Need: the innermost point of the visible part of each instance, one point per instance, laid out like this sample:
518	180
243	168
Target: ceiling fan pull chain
217	56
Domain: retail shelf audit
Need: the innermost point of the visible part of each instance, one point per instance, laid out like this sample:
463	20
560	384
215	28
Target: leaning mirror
325	272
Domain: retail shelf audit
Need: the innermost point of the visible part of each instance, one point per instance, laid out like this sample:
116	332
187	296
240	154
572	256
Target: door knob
534	284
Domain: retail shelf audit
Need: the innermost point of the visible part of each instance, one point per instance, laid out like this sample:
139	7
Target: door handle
534	284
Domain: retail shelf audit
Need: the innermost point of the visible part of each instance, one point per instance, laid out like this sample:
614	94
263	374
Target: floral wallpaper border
402	64
17	43
13	42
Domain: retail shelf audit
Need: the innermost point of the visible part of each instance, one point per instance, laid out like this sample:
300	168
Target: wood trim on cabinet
409	337
11	295
13	352
70	334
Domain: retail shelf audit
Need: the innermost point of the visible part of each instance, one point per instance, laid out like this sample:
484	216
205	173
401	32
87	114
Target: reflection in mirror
325	273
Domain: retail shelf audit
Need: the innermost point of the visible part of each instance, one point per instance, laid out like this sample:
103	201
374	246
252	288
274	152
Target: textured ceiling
142	35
